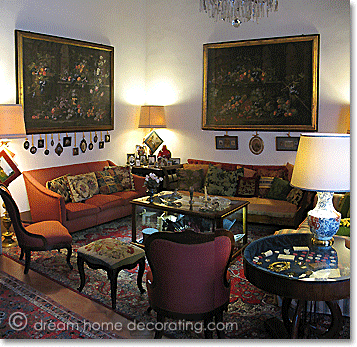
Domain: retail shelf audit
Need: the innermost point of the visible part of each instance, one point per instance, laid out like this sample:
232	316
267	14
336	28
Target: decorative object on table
90	146
261	84
130	159
164	153
107	137
288	143
153	141
40	142
152	183
238	11
143	159
151	159
323	164
46	151
95	138
101	142
84	72
256	144
59	148
137	162
83	144
176	161
227	142
191	195
33	148
67	141
12	126
75	150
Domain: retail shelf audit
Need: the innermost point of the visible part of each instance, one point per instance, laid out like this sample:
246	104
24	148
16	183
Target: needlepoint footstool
113	256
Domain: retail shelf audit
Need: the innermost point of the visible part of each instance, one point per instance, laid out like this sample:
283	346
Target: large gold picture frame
64	85
266	84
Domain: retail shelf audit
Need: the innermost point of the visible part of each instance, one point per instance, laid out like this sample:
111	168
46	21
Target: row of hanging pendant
67	141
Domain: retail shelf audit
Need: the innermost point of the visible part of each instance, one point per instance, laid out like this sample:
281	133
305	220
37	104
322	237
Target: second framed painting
64	85
267	84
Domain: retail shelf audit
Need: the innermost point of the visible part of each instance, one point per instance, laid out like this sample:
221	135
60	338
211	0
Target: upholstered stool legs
112	256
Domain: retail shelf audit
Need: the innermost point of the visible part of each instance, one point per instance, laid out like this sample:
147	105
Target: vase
151	192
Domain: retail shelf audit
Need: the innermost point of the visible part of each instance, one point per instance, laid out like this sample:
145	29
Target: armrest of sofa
139	184
44	203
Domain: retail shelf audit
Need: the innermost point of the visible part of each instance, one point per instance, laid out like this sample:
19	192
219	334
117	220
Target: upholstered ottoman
113	256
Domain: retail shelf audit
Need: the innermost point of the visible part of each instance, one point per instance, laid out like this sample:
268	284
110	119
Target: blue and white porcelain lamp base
324	220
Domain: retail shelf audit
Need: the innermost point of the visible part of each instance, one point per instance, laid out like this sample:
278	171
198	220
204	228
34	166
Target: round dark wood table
290	266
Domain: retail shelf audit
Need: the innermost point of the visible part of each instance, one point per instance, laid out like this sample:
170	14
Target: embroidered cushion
83	186
248	186
265	183
295	196
60	186
122	177
190	178
279	189
106	182
222	182
111	252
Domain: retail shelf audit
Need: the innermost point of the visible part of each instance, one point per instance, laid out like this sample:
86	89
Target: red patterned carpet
249	308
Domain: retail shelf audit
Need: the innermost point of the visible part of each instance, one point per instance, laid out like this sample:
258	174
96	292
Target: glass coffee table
291	266
209	217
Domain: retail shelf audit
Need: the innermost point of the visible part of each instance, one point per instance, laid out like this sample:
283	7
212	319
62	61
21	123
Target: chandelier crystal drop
238	11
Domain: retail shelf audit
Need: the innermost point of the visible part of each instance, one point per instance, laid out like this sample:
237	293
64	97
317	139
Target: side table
290	266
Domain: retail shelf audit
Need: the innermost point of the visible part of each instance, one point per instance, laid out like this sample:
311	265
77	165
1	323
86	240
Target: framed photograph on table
8	169
151	159
64	85
266	84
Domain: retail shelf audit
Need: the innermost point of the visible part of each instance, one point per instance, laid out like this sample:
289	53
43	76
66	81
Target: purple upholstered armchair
188	277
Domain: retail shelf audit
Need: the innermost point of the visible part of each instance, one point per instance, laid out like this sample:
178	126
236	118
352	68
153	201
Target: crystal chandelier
238	11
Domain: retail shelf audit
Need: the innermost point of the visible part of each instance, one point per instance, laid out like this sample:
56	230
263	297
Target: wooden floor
75	302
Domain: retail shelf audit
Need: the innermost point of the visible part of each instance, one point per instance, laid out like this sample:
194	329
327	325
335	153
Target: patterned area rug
248	310
25	313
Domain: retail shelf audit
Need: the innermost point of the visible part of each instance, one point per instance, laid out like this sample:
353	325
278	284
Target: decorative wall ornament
256	144
227	142
238	11
287	143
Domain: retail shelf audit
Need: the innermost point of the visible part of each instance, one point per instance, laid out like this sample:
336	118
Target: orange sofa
46	204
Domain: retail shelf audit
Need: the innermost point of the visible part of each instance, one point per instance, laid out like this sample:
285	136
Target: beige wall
158	60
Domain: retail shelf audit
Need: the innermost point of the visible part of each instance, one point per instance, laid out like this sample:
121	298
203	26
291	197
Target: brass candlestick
6	233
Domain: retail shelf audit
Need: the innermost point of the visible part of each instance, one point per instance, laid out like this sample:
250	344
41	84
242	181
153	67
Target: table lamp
12	126
323	165
152	117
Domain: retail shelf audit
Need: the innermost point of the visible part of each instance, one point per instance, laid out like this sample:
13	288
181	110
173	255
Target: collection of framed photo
150	160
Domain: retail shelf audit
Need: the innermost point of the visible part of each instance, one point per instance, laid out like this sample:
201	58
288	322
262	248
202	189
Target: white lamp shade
323	163
152	117
12	124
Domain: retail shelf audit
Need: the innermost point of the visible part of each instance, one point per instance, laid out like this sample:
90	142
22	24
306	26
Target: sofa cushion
60	186
279	189
190	178
295	196
79	209
123	177
83	186
106	182
249	172
221	182
272	171
104	202
204	167
248	186
265	183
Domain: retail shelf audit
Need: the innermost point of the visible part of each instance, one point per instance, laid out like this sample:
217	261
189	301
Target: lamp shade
323	163
12	124
152	117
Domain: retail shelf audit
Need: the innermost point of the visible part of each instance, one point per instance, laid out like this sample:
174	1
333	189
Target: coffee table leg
245	231
133	223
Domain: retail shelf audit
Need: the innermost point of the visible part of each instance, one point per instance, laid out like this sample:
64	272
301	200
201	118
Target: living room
158	60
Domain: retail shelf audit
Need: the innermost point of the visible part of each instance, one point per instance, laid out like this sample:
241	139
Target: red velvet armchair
188	277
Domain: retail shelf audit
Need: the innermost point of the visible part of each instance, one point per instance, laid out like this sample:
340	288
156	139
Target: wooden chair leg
140	274
219	325
208	332
113	276
27	261
68	258
158	333
80	264
22	254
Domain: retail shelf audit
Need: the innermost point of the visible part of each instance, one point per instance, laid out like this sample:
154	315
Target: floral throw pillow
60	186
190	178
279	189
106	182
83	186
123	177
248	186
221	182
